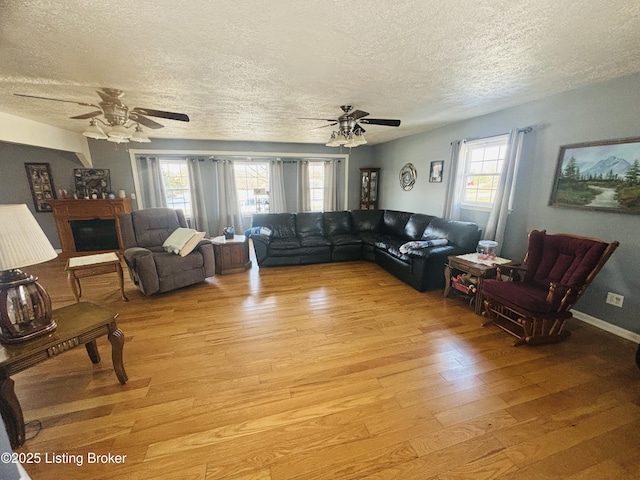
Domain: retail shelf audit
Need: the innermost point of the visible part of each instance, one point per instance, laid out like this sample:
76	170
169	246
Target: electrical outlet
615	299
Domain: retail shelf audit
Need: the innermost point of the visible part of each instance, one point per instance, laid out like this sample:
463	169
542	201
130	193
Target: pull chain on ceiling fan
117	117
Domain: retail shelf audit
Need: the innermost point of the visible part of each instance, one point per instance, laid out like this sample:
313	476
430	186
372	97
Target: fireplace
89	226
95	234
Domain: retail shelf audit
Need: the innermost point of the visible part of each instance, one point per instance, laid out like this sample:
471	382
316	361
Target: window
316	186
483	162
175	176
252	186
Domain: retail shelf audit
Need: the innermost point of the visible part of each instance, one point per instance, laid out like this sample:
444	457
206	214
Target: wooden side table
231	255
78	324
90	265
478	270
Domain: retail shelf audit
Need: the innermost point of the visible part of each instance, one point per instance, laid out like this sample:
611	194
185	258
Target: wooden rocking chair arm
514	272
557	289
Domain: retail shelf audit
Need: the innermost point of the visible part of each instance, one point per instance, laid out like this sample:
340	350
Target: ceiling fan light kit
119	119
350	133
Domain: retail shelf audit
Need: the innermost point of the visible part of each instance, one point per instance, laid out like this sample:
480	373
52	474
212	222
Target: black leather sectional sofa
374	235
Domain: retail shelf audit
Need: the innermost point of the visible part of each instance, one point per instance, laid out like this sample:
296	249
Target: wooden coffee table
78	324
231	255
90	265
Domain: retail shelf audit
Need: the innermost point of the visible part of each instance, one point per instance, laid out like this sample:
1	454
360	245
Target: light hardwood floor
333	371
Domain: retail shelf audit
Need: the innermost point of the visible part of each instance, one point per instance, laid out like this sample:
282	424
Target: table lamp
25	307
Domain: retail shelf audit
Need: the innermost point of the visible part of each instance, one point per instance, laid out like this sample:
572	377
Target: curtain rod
523	130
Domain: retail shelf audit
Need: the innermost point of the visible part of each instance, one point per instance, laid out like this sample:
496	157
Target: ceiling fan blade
147	122
319	119
381	121
84	116
357	114
181	117
358	130
328	125
57	100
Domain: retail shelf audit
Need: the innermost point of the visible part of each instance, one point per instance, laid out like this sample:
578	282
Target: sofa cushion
462	235
337	223
283	225
416	225
309	224
347	239
367	220
393	223
284	243
314	241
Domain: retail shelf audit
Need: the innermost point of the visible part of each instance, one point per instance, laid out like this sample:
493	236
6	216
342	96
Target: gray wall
605	111
14	187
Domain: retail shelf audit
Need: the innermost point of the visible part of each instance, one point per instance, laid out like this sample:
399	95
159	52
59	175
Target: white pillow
182	241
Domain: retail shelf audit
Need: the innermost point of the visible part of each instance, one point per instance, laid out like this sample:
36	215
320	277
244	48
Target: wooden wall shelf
65	210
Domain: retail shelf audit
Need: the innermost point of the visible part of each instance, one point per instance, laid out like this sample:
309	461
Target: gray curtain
502	205
454	185
229	208
199	219
276	188
304	197
330	195
151	185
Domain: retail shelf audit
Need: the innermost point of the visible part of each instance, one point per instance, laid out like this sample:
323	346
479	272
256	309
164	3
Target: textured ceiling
247	69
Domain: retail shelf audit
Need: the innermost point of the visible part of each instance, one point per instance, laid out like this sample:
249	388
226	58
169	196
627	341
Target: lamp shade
22	241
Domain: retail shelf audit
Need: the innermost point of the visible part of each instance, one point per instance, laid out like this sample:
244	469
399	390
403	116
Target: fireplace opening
96	234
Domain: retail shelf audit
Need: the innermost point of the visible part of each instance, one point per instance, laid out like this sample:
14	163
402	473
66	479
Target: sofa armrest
205	247
142	269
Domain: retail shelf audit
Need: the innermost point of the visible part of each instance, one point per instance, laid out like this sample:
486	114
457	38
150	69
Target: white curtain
455	184
276	180
330	194
304	195
229	208
151	184
504	195
198	209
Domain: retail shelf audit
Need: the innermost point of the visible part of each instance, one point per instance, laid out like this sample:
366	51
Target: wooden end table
231	255
78	324
91	265
478	270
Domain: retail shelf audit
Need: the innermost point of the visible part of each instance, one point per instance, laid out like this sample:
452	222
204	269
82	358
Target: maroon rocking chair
534	302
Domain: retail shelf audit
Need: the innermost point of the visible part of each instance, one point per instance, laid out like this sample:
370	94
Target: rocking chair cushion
561	259
523	298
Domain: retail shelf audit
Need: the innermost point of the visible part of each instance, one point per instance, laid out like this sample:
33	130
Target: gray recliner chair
153	269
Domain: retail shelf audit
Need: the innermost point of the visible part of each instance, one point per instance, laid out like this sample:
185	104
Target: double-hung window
484	161
177	190
252	186
316	186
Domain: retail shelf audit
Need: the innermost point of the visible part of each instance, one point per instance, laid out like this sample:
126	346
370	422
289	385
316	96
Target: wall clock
407	177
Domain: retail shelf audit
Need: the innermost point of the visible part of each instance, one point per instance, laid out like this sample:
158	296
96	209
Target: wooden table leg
92	350
121	281
11	413
116	337
447	279
74	284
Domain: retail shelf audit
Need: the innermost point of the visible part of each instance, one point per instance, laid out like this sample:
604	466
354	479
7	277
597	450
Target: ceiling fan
350	131
118	116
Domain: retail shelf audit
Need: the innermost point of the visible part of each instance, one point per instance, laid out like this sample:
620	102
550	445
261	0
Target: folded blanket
183	241
420	244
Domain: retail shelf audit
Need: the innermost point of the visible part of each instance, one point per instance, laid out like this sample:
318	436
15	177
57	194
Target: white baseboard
606	326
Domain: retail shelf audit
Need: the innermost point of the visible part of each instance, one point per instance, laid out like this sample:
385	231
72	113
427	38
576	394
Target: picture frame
435	171
598	176
92	183
41	185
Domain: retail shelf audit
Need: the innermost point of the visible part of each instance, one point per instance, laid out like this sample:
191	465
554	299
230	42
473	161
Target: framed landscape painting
599	176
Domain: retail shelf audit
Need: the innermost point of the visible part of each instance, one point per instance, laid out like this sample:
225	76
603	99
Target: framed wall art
408	176
41	184
435	171
92	182
602	175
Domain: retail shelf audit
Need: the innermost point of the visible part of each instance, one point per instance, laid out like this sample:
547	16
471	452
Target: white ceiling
247	69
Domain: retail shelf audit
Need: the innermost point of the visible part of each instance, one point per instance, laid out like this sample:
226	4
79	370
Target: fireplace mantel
66	210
